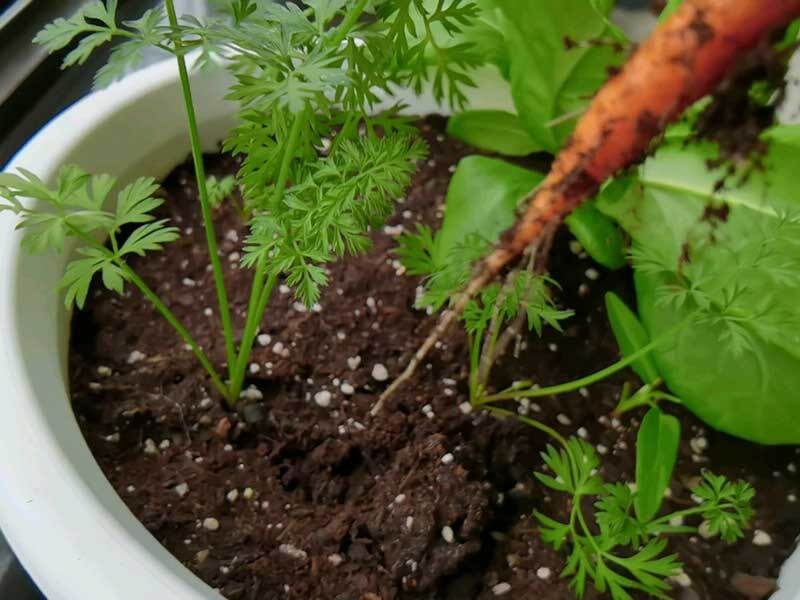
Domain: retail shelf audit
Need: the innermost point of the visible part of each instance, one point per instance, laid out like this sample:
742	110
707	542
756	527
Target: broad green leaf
598	234
492	130
783	134
548	80
738	365
631	336
482	199
656	453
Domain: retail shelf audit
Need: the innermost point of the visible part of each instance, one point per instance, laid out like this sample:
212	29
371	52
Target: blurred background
33	90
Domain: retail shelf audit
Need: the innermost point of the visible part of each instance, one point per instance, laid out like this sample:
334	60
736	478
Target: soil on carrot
743	106
301	494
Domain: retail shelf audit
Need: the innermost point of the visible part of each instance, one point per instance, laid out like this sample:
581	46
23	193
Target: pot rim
73	538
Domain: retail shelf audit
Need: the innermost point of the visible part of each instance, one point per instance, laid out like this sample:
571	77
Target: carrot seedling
320	167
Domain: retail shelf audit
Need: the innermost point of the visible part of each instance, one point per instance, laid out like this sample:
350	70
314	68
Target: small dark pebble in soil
297	501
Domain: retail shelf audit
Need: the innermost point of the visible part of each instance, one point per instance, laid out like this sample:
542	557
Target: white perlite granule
380	372
323	398
705	530
135	357
448	535
150	447
335	559
252	393
698	444
761	538
682	579
211	524
501	589
292	551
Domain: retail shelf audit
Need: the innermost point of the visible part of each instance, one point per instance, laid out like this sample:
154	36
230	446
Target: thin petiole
197	157
349	22
173	320
249	338
528	421
576	384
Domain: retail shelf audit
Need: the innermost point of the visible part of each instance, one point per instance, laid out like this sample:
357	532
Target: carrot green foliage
321	165
700	282
625	551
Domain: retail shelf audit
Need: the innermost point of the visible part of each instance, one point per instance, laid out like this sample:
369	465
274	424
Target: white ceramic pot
69	528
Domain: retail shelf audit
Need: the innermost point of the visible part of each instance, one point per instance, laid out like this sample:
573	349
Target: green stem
586	531
173	320
667	397
249	337
254	315
483	378
474	361
197	157
348	123
689	512
259	294
349	21
576	384
528	421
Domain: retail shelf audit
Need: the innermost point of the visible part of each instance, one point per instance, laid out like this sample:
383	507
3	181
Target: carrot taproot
683	60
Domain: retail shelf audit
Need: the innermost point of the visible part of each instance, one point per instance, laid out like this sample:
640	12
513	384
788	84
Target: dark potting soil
743	106
287	499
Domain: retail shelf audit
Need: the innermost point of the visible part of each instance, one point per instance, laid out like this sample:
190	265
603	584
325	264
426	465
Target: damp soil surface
287	499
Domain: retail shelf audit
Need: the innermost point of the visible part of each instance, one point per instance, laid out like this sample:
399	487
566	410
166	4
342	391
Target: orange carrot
682	61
